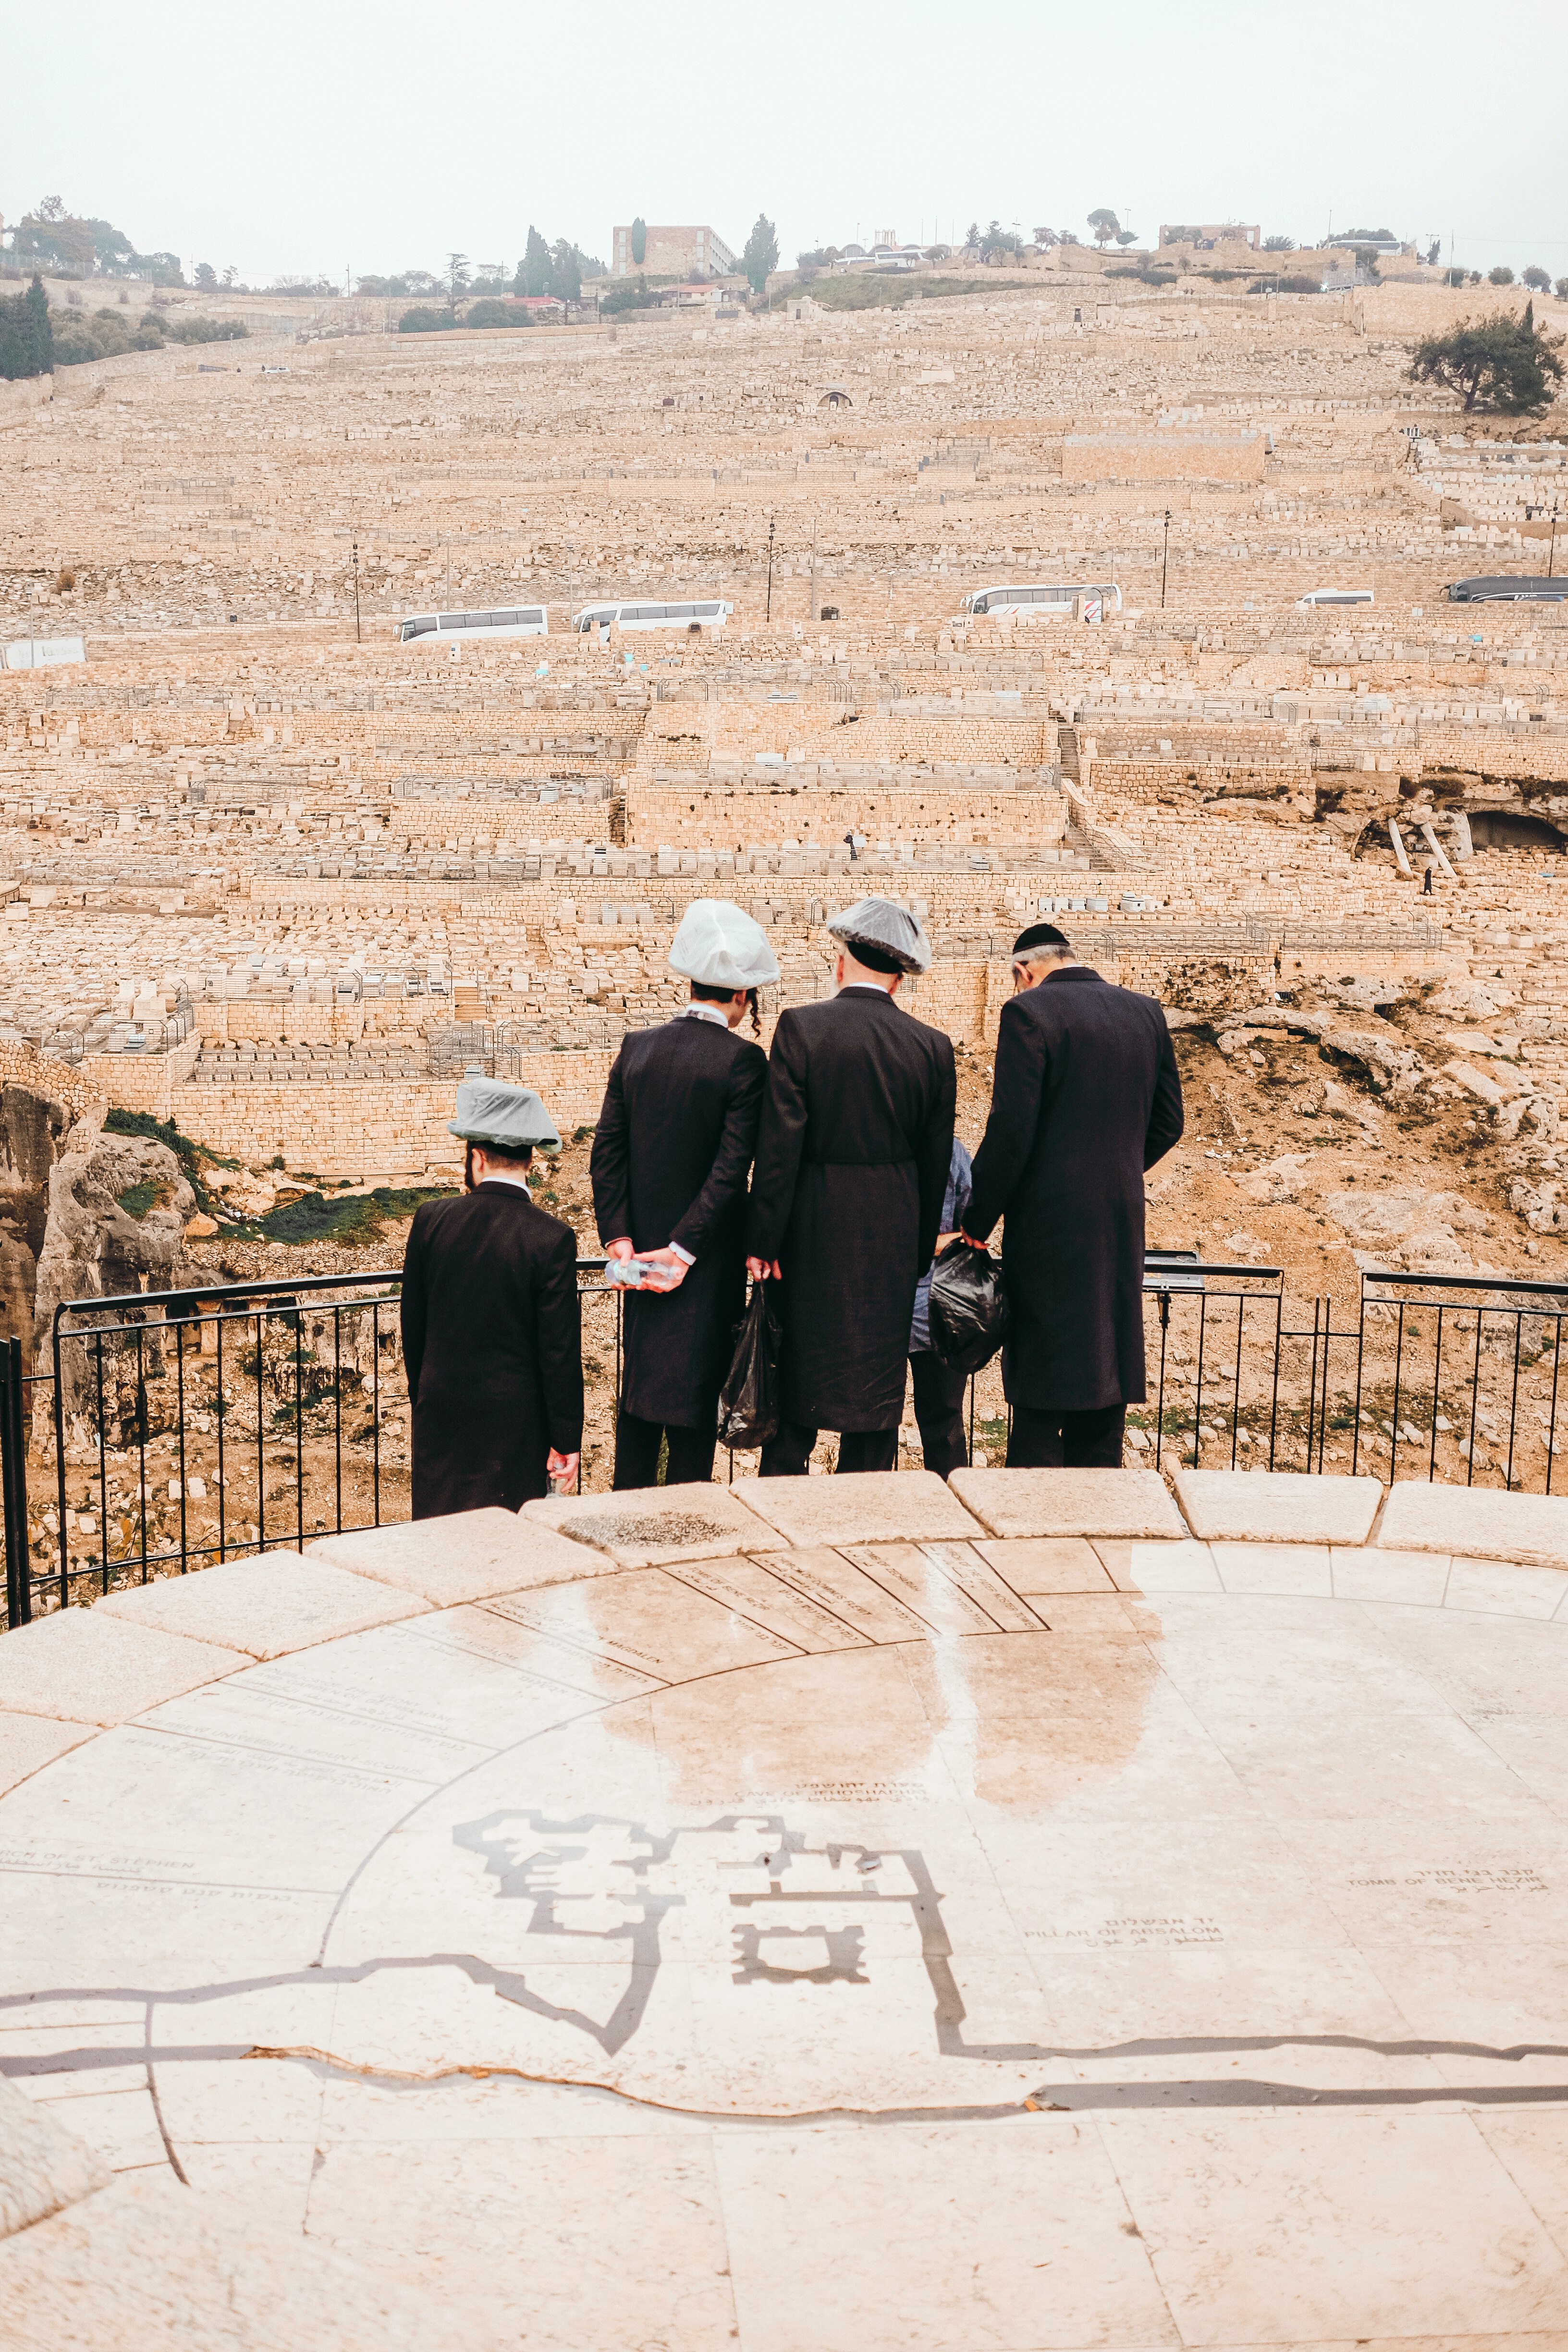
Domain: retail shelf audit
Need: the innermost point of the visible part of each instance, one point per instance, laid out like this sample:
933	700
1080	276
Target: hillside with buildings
276	876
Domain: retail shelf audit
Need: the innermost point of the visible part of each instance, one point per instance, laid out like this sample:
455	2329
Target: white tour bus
1050	604
521	621
1334	596
710	615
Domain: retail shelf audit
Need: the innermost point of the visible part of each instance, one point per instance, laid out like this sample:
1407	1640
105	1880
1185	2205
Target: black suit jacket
493	1338
1085	1098
852	1165
669	1163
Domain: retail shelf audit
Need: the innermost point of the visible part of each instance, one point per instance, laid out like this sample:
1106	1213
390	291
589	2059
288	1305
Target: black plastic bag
749	1400
969	1314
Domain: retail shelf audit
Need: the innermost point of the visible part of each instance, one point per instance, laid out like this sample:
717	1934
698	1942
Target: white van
521	621
711	614
1334	596
1048	603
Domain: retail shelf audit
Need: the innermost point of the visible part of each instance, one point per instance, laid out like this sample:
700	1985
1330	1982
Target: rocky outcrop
116	1213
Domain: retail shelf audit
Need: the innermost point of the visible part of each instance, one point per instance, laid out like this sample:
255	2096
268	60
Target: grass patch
138	1199
192	1156
352	1223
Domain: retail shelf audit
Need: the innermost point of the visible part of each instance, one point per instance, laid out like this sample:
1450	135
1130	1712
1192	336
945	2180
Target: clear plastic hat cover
512	1117
720	946
879	923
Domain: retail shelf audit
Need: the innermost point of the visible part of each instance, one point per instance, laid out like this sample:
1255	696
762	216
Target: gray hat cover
512	1119
720	946
879	923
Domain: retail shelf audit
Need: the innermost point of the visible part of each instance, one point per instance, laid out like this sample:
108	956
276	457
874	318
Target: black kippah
1039	935
874	959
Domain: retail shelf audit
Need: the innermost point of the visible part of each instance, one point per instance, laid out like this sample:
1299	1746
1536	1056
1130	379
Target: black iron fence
173	1429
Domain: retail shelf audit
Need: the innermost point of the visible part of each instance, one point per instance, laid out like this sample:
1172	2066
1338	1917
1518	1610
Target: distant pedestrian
940	1388
852	1164
492	1331
1086	1097
670	1158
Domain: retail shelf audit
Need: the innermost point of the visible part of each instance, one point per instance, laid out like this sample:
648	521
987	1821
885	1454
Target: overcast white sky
308	135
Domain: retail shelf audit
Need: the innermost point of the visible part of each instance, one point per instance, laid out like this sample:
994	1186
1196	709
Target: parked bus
1052	603
1508	588
711	614
521	621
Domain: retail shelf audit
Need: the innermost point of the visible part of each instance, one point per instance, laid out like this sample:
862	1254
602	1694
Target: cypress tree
40	334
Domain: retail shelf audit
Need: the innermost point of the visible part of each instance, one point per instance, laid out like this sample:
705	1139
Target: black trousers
787	1454
1052	1439
690	1462
940	1391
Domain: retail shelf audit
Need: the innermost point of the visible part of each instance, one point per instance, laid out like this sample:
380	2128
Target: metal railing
194	1426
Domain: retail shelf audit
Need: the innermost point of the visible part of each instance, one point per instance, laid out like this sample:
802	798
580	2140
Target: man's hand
971	1240
562	1468
672	1267
621	1249
763	1269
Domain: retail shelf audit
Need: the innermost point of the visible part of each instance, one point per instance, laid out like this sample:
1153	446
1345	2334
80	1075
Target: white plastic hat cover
721	947
512	1119
886	929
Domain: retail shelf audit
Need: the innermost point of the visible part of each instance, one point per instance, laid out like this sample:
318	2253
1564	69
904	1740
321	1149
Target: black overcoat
1086	1097
669	1162
852	1166
493	1338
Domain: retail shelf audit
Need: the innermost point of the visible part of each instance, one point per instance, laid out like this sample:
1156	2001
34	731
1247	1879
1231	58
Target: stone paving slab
1037	1564
27	1742
265	1608
1114	1503
42	2167
871	1507
1278	1506
1476	1522
463	1556
147	2266
82	1668
655	1524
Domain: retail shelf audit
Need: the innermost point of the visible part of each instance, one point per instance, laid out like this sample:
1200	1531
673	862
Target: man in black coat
1086	1097
492	1329
670	1158
846	1196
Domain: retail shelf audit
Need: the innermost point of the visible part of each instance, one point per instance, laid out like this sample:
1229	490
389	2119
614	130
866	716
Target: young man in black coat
671	1154
492	1329
847	1197
1086	1097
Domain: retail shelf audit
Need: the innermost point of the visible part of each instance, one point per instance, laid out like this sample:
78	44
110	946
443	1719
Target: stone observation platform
820	1916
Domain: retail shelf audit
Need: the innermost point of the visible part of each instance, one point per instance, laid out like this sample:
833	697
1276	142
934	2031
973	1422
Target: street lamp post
359	638
770	611
1165	559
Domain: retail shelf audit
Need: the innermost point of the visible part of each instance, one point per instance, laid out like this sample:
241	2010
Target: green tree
1501	276
639	240
457	278
565	271
206	278
1278	245
1536	279
1105	225
533	270
26	336
760	253
1502	363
